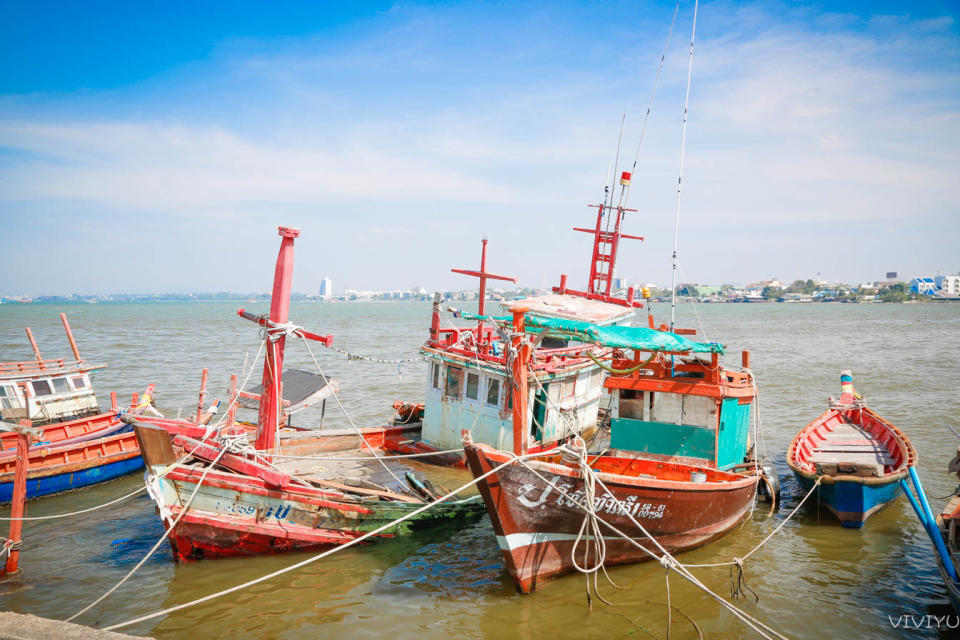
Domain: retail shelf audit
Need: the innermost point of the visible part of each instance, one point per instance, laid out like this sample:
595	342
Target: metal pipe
931	525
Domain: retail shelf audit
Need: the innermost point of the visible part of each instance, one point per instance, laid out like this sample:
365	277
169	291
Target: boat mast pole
683	143
268	420
521	389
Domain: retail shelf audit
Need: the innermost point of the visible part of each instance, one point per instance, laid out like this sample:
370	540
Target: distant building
926	285
938	286
326	288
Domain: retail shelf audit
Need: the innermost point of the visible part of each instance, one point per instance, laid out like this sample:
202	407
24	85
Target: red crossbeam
483	275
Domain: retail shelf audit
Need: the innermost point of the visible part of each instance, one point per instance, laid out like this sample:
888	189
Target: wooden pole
36	350
203	393
113	402
232	412
73	343
18	507
520	388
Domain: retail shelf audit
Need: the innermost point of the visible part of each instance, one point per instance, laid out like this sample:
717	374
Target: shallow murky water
814	579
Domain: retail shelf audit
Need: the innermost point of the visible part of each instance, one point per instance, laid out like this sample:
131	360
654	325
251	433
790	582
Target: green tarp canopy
639	338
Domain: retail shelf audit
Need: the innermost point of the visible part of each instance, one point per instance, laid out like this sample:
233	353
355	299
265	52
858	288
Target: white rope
166	533
379	458
324	554
740	560
81	511
666	559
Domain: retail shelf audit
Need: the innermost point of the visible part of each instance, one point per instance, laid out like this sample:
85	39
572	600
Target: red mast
268	419
605	244
483	275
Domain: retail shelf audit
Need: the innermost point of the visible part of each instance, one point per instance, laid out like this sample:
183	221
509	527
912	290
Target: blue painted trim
852	502
48	485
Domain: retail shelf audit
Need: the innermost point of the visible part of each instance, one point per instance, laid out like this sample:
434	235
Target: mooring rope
166	533
666	559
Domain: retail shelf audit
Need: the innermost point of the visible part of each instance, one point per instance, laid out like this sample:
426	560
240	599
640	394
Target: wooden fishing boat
288	490
858	457
948	526
678	461
468	375
45	391
78	444
537	526
103	455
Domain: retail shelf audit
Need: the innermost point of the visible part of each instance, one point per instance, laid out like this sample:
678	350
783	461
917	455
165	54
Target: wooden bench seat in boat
849	450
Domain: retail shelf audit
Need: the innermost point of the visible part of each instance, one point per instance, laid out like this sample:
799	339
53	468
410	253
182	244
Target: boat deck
848	445
358	468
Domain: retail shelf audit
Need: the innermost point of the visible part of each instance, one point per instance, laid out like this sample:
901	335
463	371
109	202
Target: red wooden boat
45	391
293	491
90	448
537	525
858	457
687	481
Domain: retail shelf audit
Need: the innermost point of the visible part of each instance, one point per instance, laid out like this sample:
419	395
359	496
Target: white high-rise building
326	288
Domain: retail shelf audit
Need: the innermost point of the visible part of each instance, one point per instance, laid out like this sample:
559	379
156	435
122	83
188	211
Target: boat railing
32	367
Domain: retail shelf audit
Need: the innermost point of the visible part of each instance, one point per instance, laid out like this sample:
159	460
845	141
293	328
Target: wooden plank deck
850	444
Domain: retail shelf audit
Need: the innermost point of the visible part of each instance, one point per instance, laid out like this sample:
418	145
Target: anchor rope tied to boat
166	533
761	628
770	535
575	452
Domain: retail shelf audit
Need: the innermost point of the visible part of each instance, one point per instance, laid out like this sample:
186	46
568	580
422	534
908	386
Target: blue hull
852	502
48	485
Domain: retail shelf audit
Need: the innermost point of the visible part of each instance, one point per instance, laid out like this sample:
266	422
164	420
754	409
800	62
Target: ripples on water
815	579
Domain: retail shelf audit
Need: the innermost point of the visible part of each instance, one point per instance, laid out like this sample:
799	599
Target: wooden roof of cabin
555	305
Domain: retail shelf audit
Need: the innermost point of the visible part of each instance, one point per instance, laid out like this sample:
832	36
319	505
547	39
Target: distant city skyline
160	146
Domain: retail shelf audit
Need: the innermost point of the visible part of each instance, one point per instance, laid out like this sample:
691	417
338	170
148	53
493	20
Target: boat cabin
687	409
45	391
468	380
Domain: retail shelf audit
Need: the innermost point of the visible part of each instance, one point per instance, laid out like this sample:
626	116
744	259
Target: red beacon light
625	178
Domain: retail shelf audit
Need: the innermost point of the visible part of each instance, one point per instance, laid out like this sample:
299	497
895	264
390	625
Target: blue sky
155	147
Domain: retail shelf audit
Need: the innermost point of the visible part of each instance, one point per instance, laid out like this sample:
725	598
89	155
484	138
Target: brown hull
537	526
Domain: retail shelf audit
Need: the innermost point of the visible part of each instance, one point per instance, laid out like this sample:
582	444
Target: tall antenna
625	193
683	143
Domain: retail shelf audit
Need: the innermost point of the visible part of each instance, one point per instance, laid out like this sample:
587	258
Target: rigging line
694	305
683	144
403	485
653	93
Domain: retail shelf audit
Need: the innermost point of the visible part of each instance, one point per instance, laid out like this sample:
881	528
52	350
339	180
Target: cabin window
454	381
493	391
436	376
60	385
473	385
673	408
41	388
8	398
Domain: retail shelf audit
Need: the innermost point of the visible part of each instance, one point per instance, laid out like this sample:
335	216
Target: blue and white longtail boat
858	457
